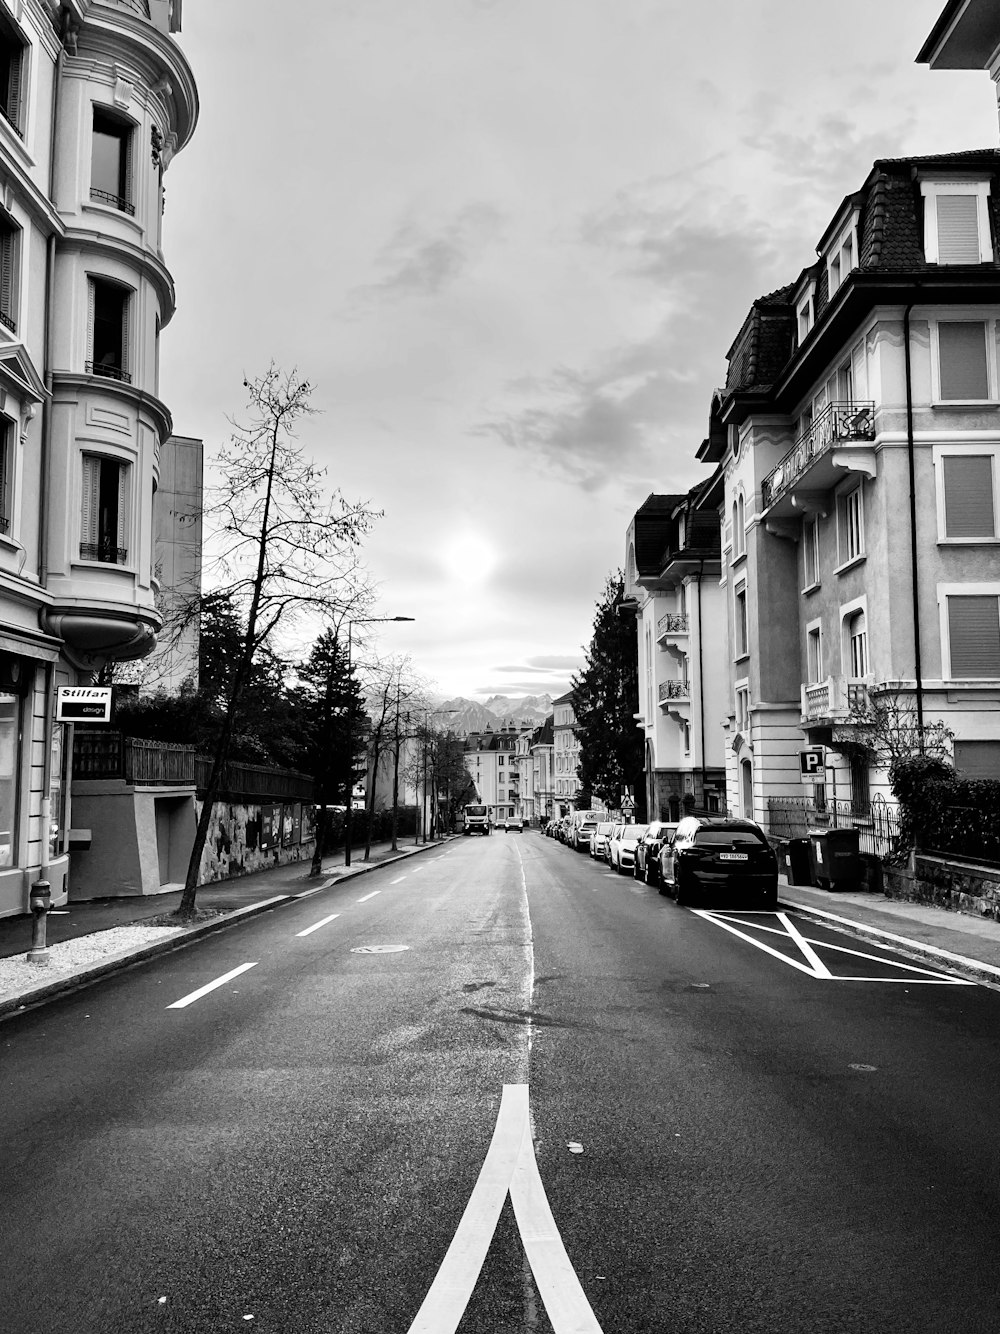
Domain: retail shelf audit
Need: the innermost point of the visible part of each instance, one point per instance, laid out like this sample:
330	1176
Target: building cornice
139	398
148	264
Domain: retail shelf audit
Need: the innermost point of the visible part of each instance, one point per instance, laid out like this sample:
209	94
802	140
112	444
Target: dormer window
842	256
805	313
956	222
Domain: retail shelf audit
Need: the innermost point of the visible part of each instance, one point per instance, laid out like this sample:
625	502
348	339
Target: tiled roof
652	526
890	242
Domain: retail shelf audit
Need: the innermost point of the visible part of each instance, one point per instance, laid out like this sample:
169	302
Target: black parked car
719	859
647	852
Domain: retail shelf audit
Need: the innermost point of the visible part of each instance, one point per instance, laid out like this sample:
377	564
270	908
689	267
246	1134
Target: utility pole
395	776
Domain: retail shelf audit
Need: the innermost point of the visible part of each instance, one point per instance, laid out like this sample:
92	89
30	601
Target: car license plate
734	856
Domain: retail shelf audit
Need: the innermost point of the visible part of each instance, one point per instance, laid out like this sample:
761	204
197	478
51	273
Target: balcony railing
8	321
116	201
838	423
106	754
673	690
107	372
673	623
104	552
836	697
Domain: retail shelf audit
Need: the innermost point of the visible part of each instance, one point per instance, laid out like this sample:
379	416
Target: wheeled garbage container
797	857
835	859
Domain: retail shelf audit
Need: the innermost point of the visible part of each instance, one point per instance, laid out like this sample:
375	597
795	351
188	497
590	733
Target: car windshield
605	828
635	831
727	837
475	810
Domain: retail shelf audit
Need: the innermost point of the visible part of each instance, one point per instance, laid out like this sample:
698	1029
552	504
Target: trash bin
797	857
834	858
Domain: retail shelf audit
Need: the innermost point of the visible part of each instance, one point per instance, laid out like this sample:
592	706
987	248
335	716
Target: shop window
10	761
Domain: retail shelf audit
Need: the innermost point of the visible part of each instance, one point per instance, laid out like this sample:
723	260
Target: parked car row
700	859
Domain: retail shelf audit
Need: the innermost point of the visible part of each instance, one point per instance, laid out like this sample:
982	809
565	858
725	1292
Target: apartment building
566	754
96	100
858	435
491	759
672	580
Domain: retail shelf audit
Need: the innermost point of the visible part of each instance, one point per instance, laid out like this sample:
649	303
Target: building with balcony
541	754
858	434
491	759
565	754
97	100
672	568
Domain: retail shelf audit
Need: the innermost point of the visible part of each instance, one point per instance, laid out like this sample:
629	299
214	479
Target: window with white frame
111	161
8	435
805	312
973	634
741	633
10	251
963	361
743	707
856	643
686	737
13	61
956	222
739	527
850	525
842	256
966	493
810	552
108	329
104	509
814	652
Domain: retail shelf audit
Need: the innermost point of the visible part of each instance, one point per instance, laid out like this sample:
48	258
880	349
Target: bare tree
884	728
286	550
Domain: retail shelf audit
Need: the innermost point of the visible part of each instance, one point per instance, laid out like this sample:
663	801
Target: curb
82	977
974	969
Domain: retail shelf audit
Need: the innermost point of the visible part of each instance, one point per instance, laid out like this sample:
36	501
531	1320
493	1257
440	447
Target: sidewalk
96	937
955	941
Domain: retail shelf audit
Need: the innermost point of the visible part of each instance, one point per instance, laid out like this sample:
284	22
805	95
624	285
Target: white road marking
316	925
398	881
369	896
418	868
815	967
509	1166
211	986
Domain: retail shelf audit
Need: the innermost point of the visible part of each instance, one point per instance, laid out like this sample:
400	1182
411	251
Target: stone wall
247	838
959	888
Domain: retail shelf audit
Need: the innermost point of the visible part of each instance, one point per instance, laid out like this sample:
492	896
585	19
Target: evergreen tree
605	698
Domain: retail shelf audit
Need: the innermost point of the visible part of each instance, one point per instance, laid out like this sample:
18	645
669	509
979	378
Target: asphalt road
739	1122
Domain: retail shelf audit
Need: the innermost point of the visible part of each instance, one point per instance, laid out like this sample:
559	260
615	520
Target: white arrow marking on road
316	925
369	896
210	986
509	1166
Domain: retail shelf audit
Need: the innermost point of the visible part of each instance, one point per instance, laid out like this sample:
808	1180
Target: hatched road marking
509	1167
811	964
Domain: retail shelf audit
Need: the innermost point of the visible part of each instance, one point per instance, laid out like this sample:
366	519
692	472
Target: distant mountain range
498	711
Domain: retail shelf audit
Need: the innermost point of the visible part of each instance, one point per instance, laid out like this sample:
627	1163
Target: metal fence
103	754
877	824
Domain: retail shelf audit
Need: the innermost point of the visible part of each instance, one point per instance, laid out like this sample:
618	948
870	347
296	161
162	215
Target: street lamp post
348	815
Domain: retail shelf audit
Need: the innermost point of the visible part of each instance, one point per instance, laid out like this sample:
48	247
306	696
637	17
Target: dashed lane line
398	881
316	925
210	986
366	897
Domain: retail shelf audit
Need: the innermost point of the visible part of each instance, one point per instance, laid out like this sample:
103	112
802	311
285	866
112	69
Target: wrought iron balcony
107	372
673	623
8	321
104	551
116	201
838	424
669	690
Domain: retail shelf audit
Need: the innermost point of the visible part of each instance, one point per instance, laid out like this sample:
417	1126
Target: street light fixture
348	820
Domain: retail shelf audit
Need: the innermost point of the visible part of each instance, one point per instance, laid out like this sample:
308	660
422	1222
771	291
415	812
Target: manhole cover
379	949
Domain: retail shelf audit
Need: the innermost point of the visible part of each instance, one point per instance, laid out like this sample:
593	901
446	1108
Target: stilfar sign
83	704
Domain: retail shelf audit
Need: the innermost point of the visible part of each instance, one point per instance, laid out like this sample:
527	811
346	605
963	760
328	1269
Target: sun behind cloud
468	558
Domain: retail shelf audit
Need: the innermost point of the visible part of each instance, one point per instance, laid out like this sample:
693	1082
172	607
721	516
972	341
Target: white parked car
599	842
621	847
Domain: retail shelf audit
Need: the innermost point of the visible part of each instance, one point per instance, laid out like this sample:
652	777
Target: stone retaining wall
953	885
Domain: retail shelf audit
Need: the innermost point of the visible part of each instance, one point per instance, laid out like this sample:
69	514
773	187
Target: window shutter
127	155
89	504
91	296
962	345
7	272
968	496
123	510
978	759
14	90
126	307
974	630
958	229
6	443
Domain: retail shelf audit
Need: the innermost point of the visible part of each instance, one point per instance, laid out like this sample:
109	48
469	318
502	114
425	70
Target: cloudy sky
510	242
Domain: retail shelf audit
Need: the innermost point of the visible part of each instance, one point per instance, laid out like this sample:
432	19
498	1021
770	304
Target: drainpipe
911	462
701	678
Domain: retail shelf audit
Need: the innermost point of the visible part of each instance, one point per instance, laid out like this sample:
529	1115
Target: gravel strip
17	975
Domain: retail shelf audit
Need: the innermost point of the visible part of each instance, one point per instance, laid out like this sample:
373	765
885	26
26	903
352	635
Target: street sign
83	704
627	803
812	762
